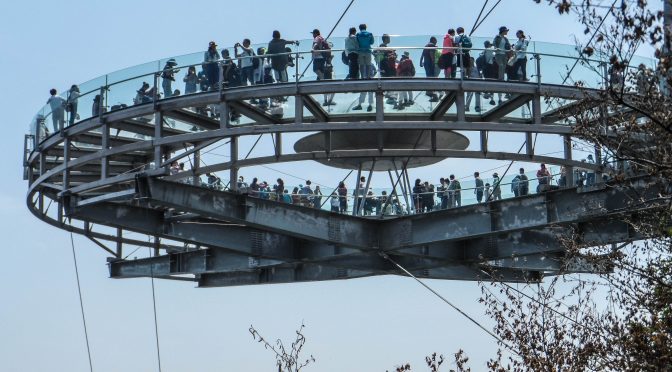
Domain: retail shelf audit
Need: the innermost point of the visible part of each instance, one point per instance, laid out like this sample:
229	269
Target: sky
356	325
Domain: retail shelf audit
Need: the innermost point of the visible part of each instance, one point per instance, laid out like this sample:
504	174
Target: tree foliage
620	319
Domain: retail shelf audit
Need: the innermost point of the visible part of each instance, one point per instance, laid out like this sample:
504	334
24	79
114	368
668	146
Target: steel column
569	171
158	134
233	171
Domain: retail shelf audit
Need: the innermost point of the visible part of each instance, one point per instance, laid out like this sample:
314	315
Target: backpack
465	42
406	68
445	61
515	183
344	58
324	46
480	62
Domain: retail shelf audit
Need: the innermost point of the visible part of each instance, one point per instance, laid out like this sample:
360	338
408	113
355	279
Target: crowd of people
423	197
500	58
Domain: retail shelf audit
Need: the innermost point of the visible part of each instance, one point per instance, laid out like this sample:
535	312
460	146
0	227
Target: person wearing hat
496	190
168	76
210	59
502	50
405	69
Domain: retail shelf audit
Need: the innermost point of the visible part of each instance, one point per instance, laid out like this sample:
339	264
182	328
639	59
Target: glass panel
84	107
555	63
134	91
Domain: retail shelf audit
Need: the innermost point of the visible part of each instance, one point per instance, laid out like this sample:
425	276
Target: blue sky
358	325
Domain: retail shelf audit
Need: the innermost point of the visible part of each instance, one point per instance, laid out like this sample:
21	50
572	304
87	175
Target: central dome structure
402	139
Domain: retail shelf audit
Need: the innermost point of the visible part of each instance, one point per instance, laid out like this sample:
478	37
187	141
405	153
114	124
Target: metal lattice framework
106	186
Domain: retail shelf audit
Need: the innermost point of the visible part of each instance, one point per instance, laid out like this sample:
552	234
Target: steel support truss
247	240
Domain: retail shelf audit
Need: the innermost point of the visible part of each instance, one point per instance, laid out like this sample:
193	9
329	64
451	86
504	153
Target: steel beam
292	220
276	275
507	107
193	118
561	207
443	106
253	113
314	108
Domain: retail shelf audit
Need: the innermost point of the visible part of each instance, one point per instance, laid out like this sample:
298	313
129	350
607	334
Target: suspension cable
156	323
479	17
81	301
485	17
328	35
385	256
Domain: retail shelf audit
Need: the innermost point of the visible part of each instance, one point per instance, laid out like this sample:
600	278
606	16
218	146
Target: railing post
105	145
459	105
537	60
158	134
119	244
298	108
296	69
155	96
380	106
224	116
484	142
233	170
195	169
157	246
66	165
220	79
101	101
39	119
355	204
461	63
598	161
569	171
278	145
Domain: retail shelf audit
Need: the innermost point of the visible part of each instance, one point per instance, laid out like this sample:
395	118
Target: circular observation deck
108	172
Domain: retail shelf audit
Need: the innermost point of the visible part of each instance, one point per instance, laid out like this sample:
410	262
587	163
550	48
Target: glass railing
405	201
545	63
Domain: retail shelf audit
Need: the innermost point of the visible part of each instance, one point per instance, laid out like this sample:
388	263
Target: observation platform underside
109	177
